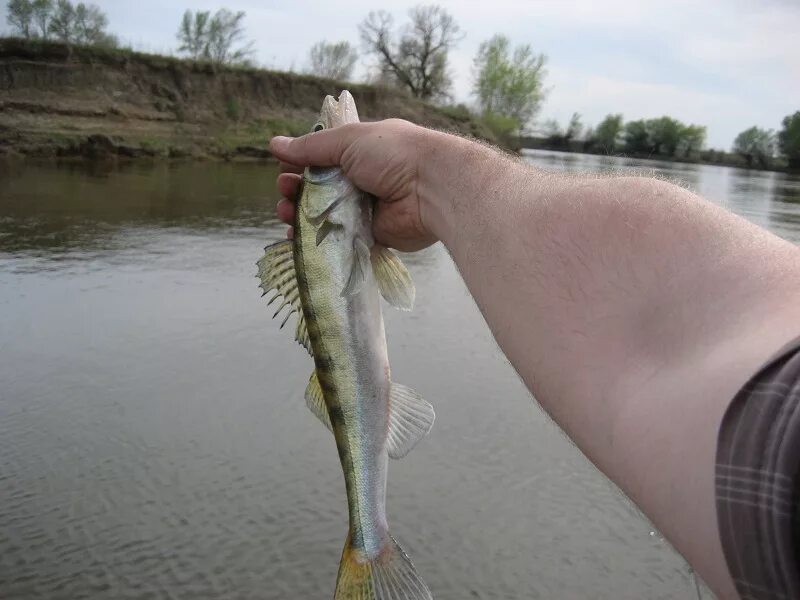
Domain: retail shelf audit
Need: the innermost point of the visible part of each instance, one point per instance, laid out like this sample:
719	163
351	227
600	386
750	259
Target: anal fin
410	419
315	401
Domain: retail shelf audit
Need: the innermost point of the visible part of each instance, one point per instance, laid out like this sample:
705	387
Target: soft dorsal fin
410	419
316	401
392	277
358	270
276	272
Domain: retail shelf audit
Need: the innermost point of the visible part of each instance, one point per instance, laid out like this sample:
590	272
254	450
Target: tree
218	39
789	139
90	24
556	136
636	137
42	12
574	128
664	135
332	60
693	137
193	34
607	133
20	17
77	24
62	22
509	85
552	129
755	144
225	36
418	61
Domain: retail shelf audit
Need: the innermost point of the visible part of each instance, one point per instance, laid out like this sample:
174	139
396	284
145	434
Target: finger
285	210
288	184
290	168
321	148
290	233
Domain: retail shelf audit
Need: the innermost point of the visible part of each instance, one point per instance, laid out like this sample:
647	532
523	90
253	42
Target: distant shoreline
713	157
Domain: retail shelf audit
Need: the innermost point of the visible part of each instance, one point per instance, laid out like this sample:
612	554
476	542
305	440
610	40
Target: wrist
455	175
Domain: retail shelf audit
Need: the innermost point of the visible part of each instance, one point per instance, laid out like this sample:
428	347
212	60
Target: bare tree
20	17
332	60
418	60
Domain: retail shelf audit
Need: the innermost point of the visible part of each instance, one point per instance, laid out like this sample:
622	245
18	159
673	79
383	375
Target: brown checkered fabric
758	481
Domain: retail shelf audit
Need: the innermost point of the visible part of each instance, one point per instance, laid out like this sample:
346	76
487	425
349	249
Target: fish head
336	113
334	201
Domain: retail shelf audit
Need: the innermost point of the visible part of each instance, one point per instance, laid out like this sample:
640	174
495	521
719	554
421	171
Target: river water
154	441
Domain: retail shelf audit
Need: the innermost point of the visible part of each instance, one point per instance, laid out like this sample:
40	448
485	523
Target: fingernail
280	142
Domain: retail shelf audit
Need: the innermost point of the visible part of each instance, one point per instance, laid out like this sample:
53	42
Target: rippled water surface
154	442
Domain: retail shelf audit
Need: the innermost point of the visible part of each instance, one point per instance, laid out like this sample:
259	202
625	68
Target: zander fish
332	274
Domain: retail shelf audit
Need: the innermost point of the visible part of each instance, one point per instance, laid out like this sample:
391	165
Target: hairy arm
633	310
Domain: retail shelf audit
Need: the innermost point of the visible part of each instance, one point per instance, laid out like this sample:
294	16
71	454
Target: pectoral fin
392	278
276	272
325	229
410	419
316	401
358	270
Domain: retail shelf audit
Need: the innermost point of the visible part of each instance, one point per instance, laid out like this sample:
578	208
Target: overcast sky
726	64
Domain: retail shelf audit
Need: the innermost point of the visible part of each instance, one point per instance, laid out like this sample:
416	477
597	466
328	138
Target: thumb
318	149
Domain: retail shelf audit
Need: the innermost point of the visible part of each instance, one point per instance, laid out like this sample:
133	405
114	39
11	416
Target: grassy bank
68	101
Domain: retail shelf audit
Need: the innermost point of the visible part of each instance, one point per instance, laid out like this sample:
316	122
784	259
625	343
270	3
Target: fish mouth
336	113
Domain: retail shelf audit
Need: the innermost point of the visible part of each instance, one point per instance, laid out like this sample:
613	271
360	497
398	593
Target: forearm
631	308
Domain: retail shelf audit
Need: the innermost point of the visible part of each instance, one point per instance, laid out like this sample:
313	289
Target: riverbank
703	157
58	101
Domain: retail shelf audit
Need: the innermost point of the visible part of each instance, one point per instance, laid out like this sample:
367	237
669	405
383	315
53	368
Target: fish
332	274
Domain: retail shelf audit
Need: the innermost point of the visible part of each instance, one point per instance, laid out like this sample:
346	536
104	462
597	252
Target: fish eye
318	127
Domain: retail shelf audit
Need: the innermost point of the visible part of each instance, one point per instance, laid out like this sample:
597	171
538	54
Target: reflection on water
155	443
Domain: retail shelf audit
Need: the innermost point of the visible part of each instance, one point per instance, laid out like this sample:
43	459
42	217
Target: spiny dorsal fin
392	278
410	420
276	272
358	270
316	401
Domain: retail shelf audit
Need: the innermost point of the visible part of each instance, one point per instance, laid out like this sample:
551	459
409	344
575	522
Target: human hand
387	159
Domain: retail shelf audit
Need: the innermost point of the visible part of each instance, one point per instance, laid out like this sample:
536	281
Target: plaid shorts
758	481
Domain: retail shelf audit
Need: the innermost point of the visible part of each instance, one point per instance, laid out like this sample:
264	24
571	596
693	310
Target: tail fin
390	576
